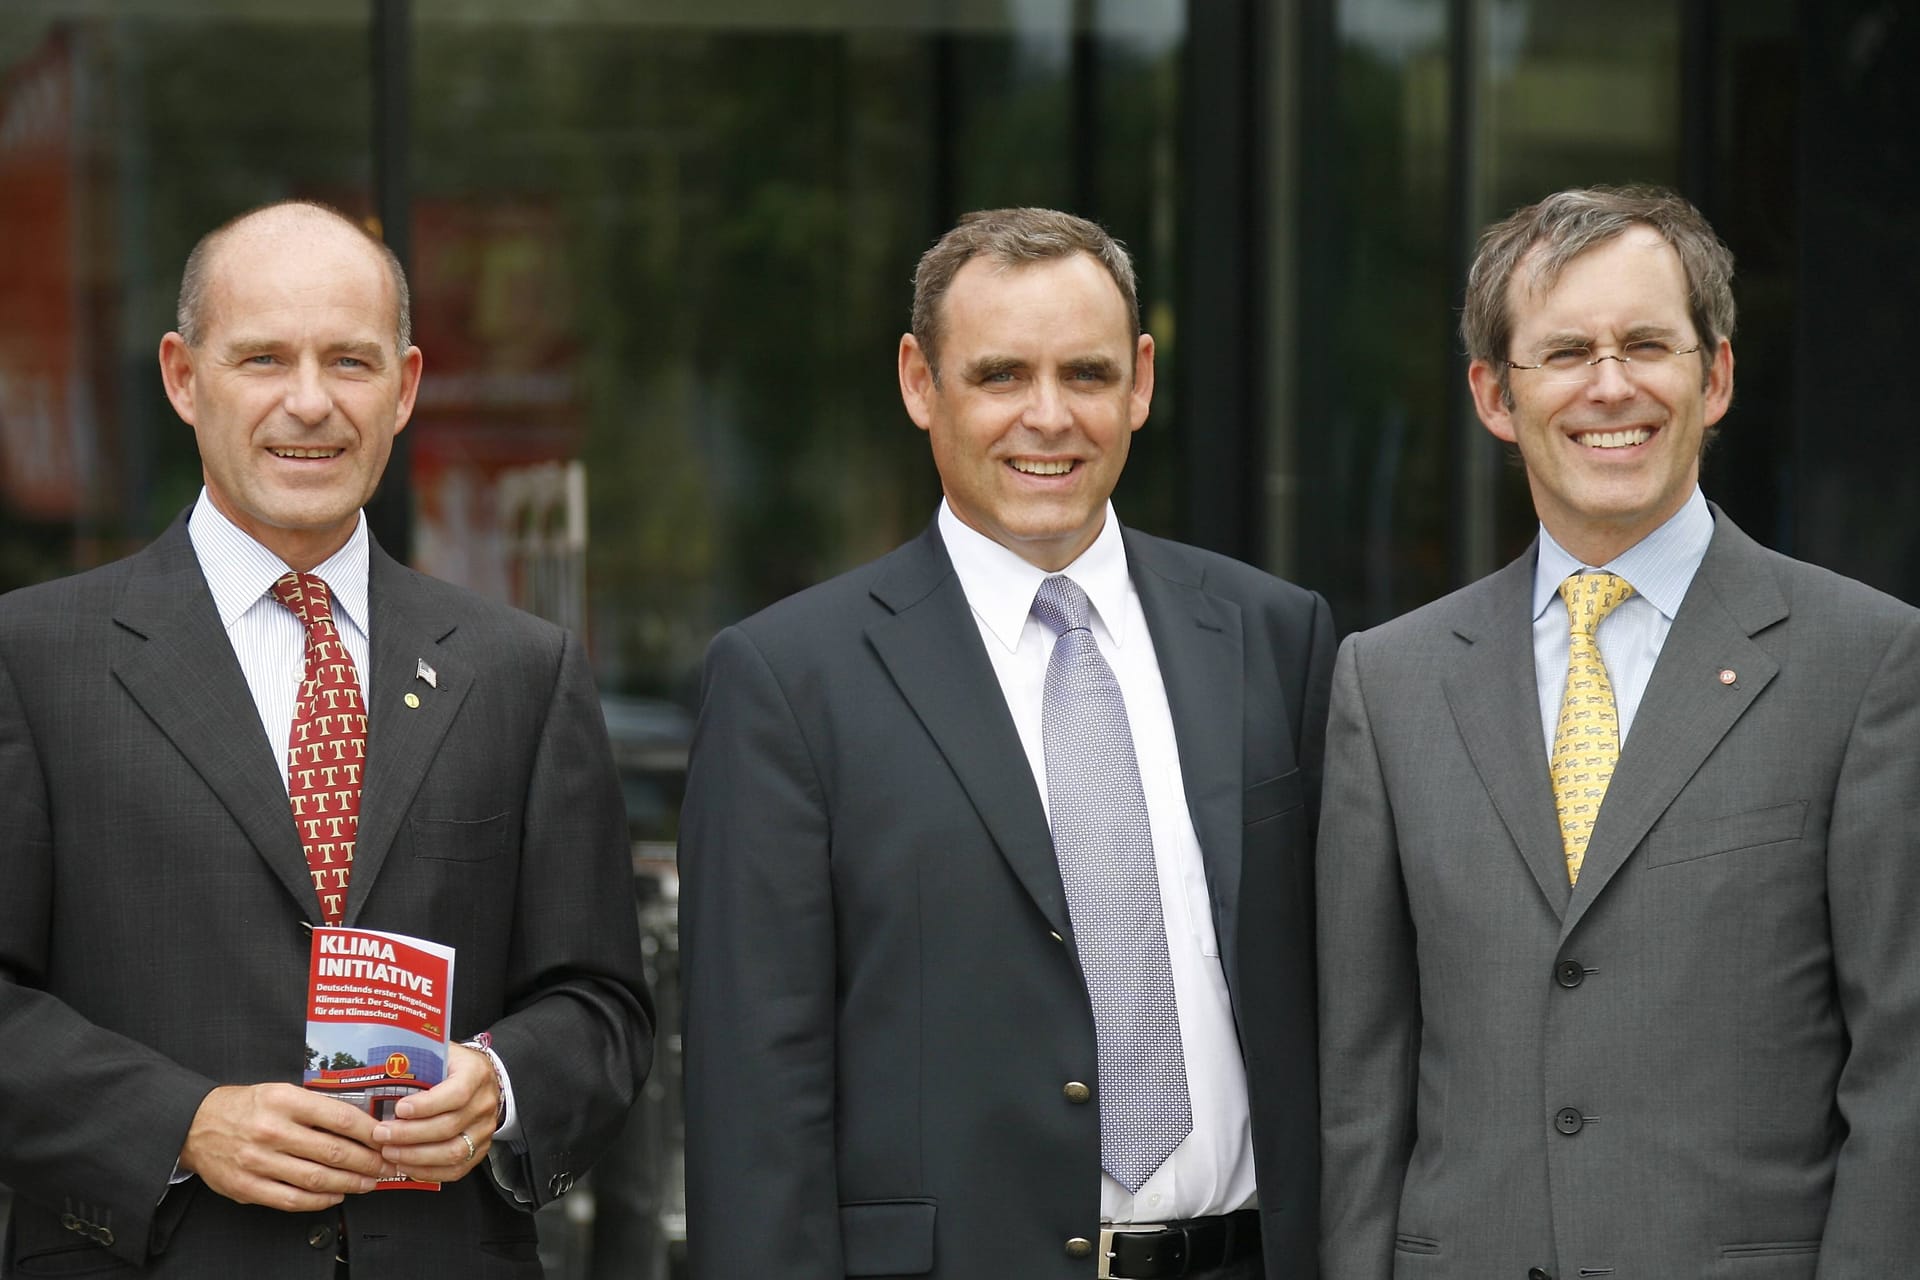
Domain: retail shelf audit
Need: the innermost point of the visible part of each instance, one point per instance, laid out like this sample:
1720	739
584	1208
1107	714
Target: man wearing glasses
1619	909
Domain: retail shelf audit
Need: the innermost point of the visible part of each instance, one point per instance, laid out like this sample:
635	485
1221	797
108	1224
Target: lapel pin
413	700
424	672
1727	675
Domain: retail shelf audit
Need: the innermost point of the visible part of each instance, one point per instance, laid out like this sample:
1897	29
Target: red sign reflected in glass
500	401
46	424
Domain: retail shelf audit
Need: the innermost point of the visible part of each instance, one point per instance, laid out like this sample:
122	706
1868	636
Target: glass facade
660	261
1423	121
661	257
125	132
662	252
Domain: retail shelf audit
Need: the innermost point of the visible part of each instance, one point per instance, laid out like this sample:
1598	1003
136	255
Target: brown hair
1565	225
1011	237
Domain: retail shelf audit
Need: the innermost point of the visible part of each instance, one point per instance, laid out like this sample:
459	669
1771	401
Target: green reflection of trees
740	215
739	218
179	122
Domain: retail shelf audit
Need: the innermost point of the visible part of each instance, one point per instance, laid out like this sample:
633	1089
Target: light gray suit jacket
1702	1061
155	911
883	1001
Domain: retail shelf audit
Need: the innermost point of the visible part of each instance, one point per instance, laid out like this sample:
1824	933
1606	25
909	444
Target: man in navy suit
892	1059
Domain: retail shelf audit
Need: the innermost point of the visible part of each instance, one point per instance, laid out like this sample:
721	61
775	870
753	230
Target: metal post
390	513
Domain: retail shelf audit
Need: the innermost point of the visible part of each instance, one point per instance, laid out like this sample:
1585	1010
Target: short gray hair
190	310
1012	237
1569	223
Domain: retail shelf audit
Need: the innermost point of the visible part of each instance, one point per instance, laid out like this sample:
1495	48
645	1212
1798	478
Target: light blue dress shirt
1660	568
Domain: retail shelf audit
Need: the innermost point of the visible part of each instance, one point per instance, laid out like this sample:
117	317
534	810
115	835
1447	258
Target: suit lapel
1687	709
183	674
1496	704
931	647
1197	639
401	740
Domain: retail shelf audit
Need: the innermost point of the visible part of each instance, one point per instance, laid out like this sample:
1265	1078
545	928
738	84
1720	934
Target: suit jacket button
560	1184
1569	974
103	1236
1079	1248
321	1237
1076	1092
1539	1273
1568	1121
72	1223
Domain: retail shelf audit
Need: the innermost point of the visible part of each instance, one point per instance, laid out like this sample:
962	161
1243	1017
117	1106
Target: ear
410	365
916	382
1140	398
176	375
1719	383
1489	401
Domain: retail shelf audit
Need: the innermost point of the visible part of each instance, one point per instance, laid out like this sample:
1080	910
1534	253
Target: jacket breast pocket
461	839
1267	800
1779	824
1768	1260
887	1237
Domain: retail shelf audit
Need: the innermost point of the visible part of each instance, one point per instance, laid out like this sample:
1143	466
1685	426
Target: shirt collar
239	571
1660	567
1000	586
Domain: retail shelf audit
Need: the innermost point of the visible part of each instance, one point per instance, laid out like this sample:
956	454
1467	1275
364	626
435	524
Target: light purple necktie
1105	847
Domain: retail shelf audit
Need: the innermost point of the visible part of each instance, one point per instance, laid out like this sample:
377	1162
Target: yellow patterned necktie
1586	744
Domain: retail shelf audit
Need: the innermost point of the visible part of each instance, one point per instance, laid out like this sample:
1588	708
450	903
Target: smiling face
294	387
1042	385
1612	451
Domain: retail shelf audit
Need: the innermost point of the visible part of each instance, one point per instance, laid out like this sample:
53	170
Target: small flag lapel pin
427	673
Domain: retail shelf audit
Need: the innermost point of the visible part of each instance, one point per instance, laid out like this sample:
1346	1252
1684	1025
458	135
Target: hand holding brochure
377	1006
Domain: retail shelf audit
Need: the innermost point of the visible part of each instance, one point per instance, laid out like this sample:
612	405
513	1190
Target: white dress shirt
1211	1171
271	644
267	637
1660	568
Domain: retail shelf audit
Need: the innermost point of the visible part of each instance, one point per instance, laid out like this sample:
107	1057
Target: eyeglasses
1644	357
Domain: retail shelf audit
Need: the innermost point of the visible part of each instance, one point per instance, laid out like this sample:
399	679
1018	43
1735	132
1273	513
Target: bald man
157	896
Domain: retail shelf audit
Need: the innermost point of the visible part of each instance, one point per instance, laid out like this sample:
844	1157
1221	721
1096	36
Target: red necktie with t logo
327	747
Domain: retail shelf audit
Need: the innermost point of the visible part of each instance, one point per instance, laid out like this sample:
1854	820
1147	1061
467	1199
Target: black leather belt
1179	1248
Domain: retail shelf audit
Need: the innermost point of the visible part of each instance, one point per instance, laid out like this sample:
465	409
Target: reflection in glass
1557	96
680	254
661	268
122	140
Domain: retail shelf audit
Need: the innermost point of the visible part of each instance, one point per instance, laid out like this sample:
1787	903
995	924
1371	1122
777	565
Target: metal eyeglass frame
1625	360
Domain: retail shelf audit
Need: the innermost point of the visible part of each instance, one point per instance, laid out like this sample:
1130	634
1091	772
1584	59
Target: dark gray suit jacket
883	1000
155	905
1704	1059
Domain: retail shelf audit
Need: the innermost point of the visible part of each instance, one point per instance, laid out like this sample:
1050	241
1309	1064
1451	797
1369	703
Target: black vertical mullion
390	513
1220	385
1471	452
943	137
1321	509
1083	122
1699	95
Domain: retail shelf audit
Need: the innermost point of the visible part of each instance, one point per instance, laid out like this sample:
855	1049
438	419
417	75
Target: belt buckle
1104	1269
